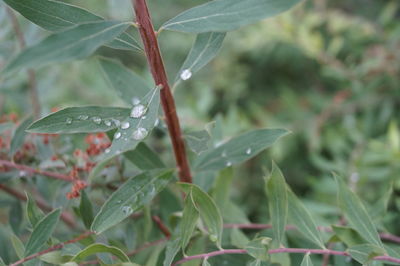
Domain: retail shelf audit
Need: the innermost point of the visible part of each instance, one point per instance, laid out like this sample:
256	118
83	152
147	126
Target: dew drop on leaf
138	111
248	151
83	117
135	101
117	135
107	150
125	125
107	123
140	133
228	163
223	154
116	122
186	74
96	119
127	210
68	121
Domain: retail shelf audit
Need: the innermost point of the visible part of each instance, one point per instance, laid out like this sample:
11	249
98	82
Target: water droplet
223	154
135	101
140	133
116	122
152	189
138	111
157	122
22	173
186	74
228	163
127	210
248	151
117	135
144	117
107	123
119	201
83	117
125	125
213	238
107	150
68	121
96	119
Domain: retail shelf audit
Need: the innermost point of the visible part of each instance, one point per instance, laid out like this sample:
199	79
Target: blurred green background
327	70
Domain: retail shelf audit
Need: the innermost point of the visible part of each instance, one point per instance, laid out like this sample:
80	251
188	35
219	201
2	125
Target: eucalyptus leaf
86	119
130	197
238	149
198	141
86	210
226	15
347	235
33	212
306	260
42	232
238	238
19	136
100	248
356	214
365	252
74	43
189	220
144	157
59	16
276	191
128	85
258	248
18	246
172	248
15	216
204	49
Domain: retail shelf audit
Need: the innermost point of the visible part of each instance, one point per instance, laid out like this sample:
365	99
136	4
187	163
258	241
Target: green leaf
18	246
258	248
33	212
100	248
15	216
276	191
75	43
198	141
189	220
86	210
222	187
208	210
226	15
204	49
144	158
42	232
363	253
59	16
238	149
128	85
238	238
302	219
356	214
134	130
173	246
306	260
347	235
378	210
130	197
86	119
19	136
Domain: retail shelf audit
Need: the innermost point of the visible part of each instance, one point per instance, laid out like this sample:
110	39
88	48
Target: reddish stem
53	248
163	228
157	69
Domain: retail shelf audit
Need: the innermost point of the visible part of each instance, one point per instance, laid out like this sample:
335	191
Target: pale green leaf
226	15
258	248
356	214
238	149
204	49
86	119
130	197
59	16
15	216
100	248
198	141
172	248
302	219
276	191
222	187
128	85
33	212
42	232
74	43
18	246
86	210
347	235
306	260
363	253
19	136
144	157
238	238
189	220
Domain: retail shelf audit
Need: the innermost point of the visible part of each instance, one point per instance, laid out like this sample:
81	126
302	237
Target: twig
36	171
53	248
163	228
65	216
157	69
31	74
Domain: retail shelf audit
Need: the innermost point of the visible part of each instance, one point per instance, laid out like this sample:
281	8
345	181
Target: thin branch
281	250
53	248
36	171
163	228
31	74
65	216
157	69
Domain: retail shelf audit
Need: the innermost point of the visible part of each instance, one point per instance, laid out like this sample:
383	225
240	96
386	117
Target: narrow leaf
173	246
189	220
204	49
19	136
347	235
238	238
238	149
300	216
363	253
100	248
276	191
33	212
129	86
75	43
18	246
42	232
59	16
130	197
226	15
258	248
198	141
222	187
356	214
144	158
86	210
208	210
87	119
306	260
15	216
